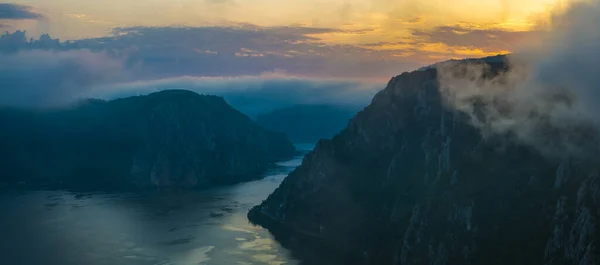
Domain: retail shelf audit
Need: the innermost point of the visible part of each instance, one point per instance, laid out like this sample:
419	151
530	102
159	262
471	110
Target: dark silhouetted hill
308	123
168	140
411	181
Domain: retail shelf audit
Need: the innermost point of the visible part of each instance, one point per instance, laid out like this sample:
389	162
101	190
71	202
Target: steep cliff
169	139
411	181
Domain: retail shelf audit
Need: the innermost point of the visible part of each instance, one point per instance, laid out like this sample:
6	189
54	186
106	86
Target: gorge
413	180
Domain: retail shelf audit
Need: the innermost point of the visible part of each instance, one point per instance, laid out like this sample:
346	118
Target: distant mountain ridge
167	140
308	123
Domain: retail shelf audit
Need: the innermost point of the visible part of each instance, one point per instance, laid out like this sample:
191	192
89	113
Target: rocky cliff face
169	139
410	181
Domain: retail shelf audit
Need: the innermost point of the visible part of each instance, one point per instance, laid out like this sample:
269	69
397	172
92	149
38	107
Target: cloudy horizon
411	32
64	49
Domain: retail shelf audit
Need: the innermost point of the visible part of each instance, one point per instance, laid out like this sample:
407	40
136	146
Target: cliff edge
412	181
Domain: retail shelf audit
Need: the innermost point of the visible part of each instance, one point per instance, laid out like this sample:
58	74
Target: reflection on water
202	227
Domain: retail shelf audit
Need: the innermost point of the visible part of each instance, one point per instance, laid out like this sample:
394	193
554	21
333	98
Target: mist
548	98
49	79
255	95
40	79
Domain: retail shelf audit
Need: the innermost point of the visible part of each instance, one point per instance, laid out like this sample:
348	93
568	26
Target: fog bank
549	96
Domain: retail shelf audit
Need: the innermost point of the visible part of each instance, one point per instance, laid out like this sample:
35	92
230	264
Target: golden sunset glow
417	31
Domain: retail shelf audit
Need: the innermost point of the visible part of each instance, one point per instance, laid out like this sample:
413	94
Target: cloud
415	20
47	79
170	57
17	12
549	96
494	39
255	95
464	40
41	79
245	49
86	18
234	50
206	60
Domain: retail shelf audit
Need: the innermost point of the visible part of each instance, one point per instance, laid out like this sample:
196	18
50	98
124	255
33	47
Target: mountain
169	139
412	181
308	123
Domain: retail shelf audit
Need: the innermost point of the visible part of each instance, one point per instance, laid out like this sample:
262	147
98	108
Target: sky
334	41
409	30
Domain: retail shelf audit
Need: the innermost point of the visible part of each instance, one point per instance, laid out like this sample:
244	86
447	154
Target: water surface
189	228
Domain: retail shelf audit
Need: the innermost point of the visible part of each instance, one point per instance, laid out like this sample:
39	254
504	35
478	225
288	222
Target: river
187	228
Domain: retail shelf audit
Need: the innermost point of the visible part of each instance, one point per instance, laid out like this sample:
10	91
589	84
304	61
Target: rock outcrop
410	181
167	140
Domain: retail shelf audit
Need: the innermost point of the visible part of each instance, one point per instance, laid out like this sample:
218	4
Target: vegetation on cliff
168	139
